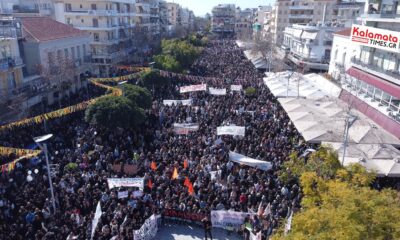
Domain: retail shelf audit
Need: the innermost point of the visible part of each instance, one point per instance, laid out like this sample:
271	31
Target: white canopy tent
323	120
384	159
313	86
256	58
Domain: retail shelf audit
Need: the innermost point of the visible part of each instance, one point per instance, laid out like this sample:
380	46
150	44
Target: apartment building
147	16
370	72
111	25
309	47
288	12
11	75
187	18
244	22
223	19
174	13
27	7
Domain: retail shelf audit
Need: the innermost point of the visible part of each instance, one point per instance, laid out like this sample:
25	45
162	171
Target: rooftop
45	29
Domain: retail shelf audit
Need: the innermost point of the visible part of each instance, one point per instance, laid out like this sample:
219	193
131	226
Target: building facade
11	75
370	74
288	12
58	53
223	19
110	24
309	47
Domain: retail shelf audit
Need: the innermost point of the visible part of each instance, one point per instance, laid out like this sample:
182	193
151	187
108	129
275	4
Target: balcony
300	16
391	75
388	16
98	28
301	7
92	12
10	62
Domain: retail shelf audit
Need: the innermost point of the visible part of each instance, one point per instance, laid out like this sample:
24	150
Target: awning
309	35
297	33
375	81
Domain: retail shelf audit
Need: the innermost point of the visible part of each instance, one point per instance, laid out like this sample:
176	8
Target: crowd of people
83	158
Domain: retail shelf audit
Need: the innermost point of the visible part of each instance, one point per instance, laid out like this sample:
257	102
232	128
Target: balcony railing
10	62
392	73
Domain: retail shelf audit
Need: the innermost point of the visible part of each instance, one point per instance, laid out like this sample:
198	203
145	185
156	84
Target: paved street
185	232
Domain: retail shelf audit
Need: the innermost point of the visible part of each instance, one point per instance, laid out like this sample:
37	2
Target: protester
200	156
207	227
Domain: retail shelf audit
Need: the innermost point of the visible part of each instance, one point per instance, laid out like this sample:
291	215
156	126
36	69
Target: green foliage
111	111
250	91
167	62
198	40
140	96
338	203
177	54
153	79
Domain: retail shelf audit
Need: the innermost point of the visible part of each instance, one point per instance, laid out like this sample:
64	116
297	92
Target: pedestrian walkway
186	232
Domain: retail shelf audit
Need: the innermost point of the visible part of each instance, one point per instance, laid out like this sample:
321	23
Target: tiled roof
346	32
45	29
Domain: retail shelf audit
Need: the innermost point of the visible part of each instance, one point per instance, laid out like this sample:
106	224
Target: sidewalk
186	232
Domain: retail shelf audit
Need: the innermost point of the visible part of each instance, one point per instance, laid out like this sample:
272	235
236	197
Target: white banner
241	159
236	88
125	182
96	218
186	102
231	130
228	219
376	38
148	230
217	91
123	194
137	194
185	128
193	88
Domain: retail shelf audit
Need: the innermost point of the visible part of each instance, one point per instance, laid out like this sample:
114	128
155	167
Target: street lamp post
43	147
349	122
120	84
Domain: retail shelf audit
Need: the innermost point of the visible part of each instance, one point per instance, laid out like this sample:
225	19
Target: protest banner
148	230
185	128
241	159
193	88
137	194
125	182
231	130
217	91
236	88
186	102
228	219
185	216
129	169
123	194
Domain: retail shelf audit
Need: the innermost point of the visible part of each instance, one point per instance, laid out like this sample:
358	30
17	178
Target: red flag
190	188
153	166
185	164
175	174
187	182
150	184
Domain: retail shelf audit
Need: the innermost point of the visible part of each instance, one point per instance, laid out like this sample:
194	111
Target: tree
250	91
153	79
338	203
167	62
112	111
140	96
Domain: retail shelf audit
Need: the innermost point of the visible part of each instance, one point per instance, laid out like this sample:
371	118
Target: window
93	6
78	52
66	54
73	53
82	20
84	49
96	37
95	22
11	80
68	7
5	51
69	21
80	6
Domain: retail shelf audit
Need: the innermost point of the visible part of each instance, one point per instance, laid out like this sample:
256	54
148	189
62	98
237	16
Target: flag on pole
153	166
187	182
267	210
175	174
185	164
260	210
96	218
150	184
190	188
